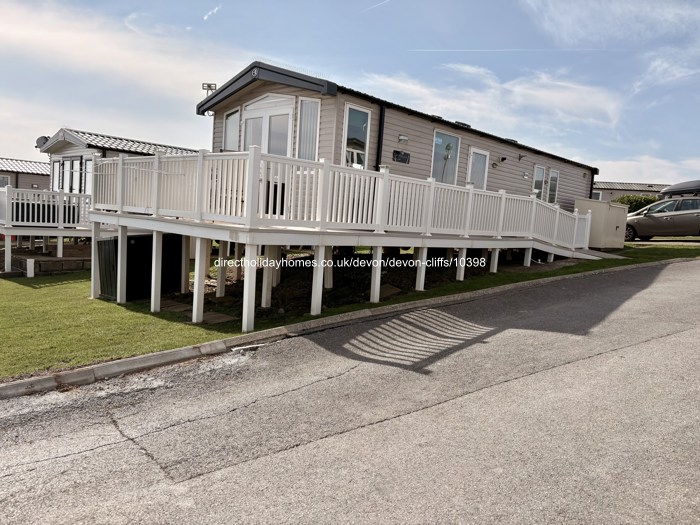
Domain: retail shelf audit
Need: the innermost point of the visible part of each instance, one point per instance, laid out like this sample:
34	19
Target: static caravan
295	115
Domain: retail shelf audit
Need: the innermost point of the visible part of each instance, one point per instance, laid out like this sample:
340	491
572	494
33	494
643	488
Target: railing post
9	205
324	185
155	180
556	225
533	212
382	200
93	182
468	214
252	189
573	240
60	208
199	186
428	207
120	183
501	214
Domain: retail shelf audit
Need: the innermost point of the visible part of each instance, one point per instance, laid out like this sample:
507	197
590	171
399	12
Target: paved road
571	402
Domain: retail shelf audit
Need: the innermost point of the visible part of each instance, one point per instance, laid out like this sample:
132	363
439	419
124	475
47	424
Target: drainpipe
380	139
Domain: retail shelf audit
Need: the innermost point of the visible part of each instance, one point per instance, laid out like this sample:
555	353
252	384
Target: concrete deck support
59	247
32	242
376	282
122	246
550	257
420	270
317	282
495	252
45	245
201	266
8	252
185	287
461	261
156	270
94	262
528	257
221	274
251	255
328	270
268	271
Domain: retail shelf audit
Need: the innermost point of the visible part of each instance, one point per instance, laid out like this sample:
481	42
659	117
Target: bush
635	202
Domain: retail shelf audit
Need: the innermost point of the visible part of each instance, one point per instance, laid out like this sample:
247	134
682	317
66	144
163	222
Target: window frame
6	178
457	153
549	186
265	111
226	129
298	127
348	106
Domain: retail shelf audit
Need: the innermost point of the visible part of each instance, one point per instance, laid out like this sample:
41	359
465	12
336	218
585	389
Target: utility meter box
608	222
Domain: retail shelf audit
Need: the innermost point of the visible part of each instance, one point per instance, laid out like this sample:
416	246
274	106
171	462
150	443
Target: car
678	216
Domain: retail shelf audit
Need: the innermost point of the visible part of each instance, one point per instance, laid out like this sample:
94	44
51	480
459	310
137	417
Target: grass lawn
49	323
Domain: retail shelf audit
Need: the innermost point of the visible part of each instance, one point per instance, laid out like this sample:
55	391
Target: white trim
318	125
473	150
348	106
432	155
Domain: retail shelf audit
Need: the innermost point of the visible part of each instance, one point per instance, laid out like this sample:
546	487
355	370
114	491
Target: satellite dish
41	141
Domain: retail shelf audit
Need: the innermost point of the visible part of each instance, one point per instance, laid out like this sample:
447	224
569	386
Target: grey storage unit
608	222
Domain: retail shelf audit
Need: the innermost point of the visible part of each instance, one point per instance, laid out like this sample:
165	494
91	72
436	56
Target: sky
610	83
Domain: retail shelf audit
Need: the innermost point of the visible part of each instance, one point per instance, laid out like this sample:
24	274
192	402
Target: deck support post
461	262
495	252
268	270
45	244
376	283
420	270
221	273
95	262
238	255
185	283
528	257
277	273
328	270
8	251
122	246
59	247
317	283
550	257
156	270
250	260
201	266
32	242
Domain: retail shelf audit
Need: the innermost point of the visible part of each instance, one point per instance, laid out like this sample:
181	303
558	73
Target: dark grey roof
25	166
261	71
98	140
628	186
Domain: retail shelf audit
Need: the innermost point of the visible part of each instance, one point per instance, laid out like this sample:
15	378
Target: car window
689	205
662	207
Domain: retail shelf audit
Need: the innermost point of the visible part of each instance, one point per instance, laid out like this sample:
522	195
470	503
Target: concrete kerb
100	371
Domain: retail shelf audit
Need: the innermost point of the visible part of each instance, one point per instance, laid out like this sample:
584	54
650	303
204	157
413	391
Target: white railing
260	190
43	208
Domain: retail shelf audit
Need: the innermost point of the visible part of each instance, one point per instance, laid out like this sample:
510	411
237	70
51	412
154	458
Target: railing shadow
418	339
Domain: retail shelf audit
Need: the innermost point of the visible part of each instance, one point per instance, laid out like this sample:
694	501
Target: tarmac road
571	402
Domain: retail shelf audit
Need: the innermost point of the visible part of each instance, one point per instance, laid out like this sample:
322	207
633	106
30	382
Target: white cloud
645	168
212	12
88	43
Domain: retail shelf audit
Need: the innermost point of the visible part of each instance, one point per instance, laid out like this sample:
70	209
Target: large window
478	168
307	134
546	186
232	126
357	123
553	186
445	156
538	182
72	175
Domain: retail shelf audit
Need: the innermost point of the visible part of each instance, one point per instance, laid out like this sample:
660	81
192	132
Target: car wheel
630	234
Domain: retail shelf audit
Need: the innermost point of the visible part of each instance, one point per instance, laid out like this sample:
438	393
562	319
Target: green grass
49	323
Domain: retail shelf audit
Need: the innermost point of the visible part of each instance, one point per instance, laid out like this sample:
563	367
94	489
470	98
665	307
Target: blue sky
613	84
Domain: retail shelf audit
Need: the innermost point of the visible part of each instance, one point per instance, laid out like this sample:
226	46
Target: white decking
265	200
41	213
